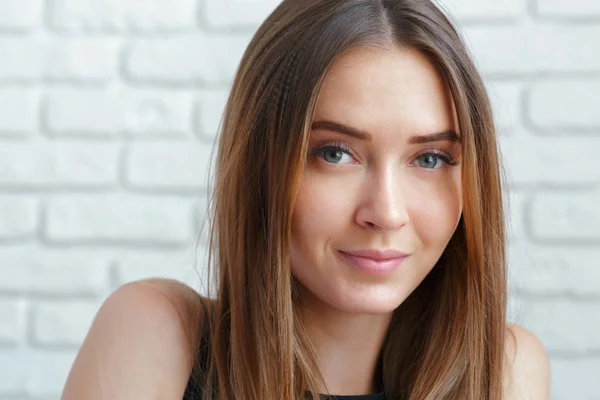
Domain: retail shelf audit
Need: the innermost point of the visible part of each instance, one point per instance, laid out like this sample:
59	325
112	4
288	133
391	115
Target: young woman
357	231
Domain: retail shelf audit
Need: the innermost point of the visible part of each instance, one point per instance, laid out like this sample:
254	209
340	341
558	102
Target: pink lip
382	265
379	255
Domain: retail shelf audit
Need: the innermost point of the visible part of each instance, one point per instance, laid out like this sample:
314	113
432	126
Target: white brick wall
189	59
16	18
567	9
18	111
42	163
108	111
118	218
112	111
19	216
138	16
550	109
35	270
36	58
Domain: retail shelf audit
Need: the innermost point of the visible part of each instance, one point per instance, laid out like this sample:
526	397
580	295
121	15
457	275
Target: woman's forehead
379	90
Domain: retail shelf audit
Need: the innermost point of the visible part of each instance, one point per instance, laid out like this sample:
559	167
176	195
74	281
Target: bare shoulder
526	372
140	345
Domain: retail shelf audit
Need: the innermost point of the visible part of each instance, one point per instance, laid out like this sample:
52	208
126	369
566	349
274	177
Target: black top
193	389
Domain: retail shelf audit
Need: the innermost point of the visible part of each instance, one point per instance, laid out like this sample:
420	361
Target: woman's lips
373	266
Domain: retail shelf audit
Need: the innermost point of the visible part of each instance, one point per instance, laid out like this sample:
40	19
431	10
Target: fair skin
383	191
398	187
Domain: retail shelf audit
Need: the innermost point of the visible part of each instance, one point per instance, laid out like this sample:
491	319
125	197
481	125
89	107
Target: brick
191	59
567	9
12	315
551	109
49	163
18	111
538	270
575	378
58	59
18	217
506	99
111	111
535	160
484	9
118	219
209	111
62	323
181	165
33	270
568	216
534	48
123	15
234	13
35	373
13	372
19	15
564	325
188	266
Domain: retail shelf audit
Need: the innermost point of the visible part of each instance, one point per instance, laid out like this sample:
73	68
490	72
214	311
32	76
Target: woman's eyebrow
449	135
337	127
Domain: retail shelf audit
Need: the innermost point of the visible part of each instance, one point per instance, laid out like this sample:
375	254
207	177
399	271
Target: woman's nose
383	204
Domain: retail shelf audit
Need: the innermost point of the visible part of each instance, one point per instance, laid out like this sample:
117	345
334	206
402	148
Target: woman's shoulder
141	343
526	372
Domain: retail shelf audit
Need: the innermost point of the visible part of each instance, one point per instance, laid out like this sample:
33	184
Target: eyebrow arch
449	134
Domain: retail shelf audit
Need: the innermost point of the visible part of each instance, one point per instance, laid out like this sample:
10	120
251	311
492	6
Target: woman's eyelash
448	159
340	146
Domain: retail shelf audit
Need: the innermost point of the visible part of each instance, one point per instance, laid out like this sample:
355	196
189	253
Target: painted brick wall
108	110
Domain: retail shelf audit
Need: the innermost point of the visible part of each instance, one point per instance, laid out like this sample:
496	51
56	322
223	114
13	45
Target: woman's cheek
435	212
327	197
312	210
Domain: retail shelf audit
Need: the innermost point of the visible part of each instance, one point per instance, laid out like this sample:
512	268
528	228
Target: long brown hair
446	339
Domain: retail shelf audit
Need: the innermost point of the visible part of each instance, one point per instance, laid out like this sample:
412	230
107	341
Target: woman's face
381	175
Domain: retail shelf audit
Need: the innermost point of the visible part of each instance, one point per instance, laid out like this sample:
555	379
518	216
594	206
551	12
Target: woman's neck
347	346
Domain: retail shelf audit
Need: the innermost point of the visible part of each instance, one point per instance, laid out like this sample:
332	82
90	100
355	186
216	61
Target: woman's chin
376	308
353	297
370	304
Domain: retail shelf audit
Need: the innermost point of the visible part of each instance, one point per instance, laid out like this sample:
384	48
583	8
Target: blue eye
434	160
334	154
430	161
340	153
